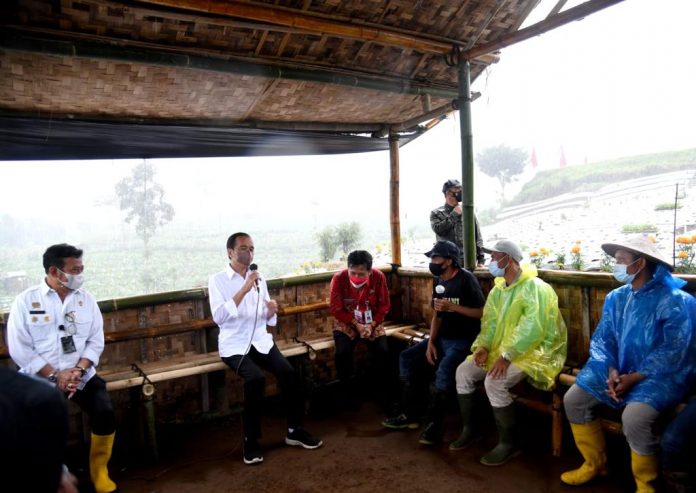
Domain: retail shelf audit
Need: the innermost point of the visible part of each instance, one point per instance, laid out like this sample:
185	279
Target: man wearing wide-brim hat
641	357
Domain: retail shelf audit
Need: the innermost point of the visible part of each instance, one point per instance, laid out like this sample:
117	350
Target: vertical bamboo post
466	136
395	288
394	199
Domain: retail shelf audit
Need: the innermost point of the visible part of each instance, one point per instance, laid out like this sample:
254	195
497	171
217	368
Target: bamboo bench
199	364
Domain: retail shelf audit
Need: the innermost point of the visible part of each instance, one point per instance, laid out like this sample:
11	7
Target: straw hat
642	247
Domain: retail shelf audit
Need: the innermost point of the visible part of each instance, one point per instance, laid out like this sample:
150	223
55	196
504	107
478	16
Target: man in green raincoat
522	336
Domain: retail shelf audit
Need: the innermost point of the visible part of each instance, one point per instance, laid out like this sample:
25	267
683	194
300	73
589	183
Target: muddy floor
358	456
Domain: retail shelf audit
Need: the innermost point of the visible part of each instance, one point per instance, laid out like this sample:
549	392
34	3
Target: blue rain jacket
650	331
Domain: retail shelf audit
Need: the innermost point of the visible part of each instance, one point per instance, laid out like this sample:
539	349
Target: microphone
439	293
254	268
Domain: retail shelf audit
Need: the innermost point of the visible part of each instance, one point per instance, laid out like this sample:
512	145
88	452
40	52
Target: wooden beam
548	24
309	22
557	8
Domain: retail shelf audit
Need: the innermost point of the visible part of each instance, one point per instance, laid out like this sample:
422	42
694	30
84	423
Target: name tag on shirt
363	317
68	344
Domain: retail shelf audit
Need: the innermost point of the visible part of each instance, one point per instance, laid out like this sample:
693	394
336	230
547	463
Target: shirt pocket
83	325
43	334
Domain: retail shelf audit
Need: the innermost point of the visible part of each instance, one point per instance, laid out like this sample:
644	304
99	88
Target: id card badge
368	317
68	344
358	316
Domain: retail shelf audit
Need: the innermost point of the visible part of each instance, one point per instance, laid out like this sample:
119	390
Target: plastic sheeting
524	321
650	331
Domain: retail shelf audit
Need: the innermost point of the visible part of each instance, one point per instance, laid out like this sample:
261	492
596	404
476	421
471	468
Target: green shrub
667	206
638	228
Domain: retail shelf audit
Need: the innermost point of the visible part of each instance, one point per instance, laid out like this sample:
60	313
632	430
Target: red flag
563	159
533	159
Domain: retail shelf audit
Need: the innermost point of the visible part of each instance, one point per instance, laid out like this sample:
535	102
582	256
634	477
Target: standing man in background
55	331
242	308
446	221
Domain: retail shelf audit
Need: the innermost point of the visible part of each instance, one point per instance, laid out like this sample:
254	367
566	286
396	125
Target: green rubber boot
507	448
466	437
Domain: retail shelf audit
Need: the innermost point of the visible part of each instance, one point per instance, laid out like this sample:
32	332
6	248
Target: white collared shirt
34	334
237	322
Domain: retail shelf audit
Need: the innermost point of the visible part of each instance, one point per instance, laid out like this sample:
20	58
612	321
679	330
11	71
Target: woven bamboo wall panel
30	82
571	306
420	294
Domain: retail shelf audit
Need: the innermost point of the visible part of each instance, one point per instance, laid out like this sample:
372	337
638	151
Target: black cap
444	248
449	184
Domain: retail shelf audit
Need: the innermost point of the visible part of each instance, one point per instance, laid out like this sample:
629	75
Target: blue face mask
495	270
621	275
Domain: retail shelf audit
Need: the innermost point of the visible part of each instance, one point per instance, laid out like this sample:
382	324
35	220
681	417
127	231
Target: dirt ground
358	456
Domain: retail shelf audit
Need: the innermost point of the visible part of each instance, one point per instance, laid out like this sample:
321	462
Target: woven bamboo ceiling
155	78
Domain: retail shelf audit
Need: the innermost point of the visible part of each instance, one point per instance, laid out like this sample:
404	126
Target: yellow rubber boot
589	439
99	455
645	471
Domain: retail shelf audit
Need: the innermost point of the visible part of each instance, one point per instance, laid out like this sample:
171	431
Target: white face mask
74	281
621	275
496	270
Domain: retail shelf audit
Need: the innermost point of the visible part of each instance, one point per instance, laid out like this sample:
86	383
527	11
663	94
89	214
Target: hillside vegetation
551	183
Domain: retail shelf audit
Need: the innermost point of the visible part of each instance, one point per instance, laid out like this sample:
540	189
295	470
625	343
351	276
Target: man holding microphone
242	308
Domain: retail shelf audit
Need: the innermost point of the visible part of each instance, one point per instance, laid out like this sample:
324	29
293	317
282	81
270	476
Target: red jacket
345	299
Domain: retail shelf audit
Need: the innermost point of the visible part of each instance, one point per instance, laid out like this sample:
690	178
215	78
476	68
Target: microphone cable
253	330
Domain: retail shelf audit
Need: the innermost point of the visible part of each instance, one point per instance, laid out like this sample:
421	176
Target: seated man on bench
641	355
242	308
522	336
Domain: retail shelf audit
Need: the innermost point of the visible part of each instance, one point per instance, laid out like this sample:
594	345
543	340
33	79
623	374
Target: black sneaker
400	422
302	438
252	452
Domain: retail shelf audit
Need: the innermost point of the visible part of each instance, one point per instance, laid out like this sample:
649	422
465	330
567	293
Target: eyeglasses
70	319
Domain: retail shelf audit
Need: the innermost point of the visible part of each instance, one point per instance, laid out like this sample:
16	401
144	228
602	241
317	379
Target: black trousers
95	402
385	373
251	370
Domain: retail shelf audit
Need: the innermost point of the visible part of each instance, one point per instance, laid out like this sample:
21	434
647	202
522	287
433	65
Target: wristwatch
506	357
52	377
82	370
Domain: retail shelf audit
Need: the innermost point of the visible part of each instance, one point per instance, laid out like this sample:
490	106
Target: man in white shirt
242	308
55	330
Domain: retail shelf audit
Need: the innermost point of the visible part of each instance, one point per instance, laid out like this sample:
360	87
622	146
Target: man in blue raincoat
641	357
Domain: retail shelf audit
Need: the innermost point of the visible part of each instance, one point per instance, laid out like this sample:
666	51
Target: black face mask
436	269
458	196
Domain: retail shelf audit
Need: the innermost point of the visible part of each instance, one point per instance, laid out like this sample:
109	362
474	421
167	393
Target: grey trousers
497	389
638	419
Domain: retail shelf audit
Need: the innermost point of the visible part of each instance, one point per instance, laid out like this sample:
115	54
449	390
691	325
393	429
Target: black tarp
24	138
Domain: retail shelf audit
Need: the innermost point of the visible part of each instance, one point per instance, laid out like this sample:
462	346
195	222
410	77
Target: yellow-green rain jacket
524	321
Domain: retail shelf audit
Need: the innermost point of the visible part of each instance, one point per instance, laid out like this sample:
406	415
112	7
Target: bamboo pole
436	113
159	330
548	24
309	22
467	146
162	57
297	309
394	199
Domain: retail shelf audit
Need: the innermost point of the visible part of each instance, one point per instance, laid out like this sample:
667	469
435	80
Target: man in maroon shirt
359	304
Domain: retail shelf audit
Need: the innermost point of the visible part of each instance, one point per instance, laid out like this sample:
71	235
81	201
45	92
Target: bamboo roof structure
181	78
